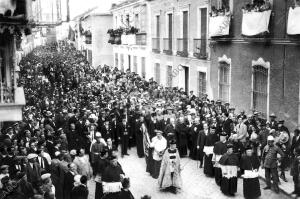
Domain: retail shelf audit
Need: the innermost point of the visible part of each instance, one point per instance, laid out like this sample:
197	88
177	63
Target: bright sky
77	7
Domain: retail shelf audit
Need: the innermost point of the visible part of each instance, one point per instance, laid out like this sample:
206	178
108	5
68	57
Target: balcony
19	12
293	26
168	46
11	103
219	26
156	45
182	47
200	48
141	39
255	24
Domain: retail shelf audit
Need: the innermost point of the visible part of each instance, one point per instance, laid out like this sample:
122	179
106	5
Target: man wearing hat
273	122
269	158
295	172
220	148
182	131
281	127
229	163
33	169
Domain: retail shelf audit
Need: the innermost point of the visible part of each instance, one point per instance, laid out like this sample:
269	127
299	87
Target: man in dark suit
33	170
295	142
227	124
69	180
201	142
81	191
42	161
124	136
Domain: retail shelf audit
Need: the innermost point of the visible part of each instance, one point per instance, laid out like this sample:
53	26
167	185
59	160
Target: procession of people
78	120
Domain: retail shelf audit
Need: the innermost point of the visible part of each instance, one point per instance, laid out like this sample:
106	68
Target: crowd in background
77	119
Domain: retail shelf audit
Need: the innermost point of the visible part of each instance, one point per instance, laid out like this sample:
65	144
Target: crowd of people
258	6
77	120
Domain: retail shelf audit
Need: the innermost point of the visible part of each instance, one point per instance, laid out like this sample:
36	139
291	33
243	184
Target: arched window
224	79
260	85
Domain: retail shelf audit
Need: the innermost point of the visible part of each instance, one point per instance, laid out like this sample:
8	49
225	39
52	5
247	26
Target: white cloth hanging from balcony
255	23
219	26
293	25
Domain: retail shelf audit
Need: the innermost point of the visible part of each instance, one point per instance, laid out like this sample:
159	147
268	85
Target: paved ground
195	184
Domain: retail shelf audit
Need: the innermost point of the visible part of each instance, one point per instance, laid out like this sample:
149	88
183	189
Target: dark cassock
194	132
182	131
210	141
169	131
229	163
139	137
68	184
101	165
111	179
200	144
220	149
250	164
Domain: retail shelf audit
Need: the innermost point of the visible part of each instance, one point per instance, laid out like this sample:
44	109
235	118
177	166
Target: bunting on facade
219	26
293	25
255	23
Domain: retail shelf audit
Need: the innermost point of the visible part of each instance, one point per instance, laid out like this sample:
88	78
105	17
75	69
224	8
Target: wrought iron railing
182	47
156	45
141	39
168	46
200	48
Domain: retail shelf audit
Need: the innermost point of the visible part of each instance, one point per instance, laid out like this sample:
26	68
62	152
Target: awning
293	24
219	26
255	23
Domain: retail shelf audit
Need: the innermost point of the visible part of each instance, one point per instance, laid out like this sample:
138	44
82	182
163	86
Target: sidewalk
285	187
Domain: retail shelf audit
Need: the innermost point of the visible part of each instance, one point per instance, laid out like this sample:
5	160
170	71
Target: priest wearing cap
47	186
250	164
159	144
182	131
111	178
170	171
229	163
96	149
4	171
269	157
124	136
220	148
194	132
210	140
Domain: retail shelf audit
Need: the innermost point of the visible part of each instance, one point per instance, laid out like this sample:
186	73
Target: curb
280	189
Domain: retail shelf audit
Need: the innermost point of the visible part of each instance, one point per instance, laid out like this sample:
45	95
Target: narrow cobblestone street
195	184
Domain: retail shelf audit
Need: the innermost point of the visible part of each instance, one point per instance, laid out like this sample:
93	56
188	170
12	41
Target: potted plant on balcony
111	36
118	32
130	36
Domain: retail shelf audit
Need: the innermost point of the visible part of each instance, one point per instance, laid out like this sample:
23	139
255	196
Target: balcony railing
6	94
182	47
141	39
200	48
168	46
156	45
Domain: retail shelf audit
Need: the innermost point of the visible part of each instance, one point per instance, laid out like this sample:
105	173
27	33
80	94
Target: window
90	56
169	76
260	89
201	84
157	26
135	64
137	21
170	26
157	73
224	82
143	67
143	18
116	60
129	62
122	62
